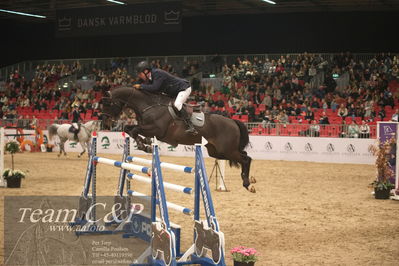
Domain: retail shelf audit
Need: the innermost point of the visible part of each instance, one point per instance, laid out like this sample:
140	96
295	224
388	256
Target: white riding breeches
75	125
181	98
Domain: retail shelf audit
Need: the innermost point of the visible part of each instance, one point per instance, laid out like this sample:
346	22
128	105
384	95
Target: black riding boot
76	135
190	127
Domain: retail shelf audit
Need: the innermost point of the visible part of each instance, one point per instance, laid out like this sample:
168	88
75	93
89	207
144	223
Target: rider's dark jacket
75	116
162	81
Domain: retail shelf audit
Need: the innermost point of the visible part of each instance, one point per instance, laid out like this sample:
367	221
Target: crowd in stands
286	91
307	89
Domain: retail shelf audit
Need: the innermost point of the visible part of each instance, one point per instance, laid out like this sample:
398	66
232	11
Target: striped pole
176	167
170	205
178	188
127	166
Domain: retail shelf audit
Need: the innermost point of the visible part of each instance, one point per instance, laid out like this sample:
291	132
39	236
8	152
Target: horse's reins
126	103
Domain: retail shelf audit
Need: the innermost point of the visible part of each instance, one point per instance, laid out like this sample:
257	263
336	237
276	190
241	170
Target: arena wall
331	150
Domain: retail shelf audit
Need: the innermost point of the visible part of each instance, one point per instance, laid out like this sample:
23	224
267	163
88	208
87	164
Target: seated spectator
11	116
64	114
219	102
368	107
283	118
222	111
324	104
251	112
381	114
353	130
342	111
343	130
274	112
267	119
315	103
76	101
334	105
364	130
297	110
309	115
352	111
395	116
290	110
324	119
314	129
267	100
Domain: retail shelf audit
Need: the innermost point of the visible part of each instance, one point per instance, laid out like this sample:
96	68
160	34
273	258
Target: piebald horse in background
84	135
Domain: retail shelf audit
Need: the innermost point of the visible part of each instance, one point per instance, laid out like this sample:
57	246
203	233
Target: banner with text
329	150
115	20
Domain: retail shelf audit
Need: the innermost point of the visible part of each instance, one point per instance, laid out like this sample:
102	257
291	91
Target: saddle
74	130
197	117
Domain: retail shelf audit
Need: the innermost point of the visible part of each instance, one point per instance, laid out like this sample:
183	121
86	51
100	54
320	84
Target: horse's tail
52	130
244	140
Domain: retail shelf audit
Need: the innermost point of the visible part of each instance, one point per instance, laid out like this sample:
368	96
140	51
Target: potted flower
382	184
244	256
13	177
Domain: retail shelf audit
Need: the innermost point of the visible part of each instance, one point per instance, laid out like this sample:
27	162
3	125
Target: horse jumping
64	134
227	138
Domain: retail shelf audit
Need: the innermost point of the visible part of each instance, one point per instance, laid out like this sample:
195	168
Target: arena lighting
116	2
269	1
21	13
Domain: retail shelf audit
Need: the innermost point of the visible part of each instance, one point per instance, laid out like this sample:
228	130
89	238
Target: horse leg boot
186	118
133	131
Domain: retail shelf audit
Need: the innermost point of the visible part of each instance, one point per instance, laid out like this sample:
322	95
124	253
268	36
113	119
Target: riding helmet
143	65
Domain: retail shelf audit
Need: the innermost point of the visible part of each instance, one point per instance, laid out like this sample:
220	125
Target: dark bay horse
227	138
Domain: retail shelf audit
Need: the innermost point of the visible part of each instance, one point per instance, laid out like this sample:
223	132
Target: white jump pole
127	166
170	186
170	205
176	167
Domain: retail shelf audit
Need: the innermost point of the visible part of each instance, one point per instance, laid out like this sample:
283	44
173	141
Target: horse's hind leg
245	168
63	148
59	154
241	157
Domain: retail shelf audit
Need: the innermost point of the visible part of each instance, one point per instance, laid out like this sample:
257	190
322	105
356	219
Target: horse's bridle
125	103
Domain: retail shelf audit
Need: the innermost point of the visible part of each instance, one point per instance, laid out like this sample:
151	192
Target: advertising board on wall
329	150
116	20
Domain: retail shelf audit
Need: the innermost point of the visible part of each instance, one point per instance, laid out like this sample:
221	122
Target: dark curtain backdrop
268	33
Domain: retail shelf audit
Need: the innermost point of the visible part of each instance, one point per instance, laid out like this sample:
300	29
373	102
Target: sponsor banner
332	150
387	132
115	20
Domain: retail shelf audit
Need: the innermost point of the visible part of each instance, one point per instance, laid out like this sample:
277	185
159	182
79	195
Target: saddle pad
198	119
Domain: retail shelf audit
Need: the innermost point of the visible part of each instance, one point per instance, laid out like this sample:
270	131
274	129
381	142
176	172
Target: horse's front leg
134	131
83	144
60	145
88	146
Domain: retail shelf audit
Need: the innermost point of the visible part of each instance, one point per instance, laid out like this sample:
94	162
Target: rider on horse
75	121
157	80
